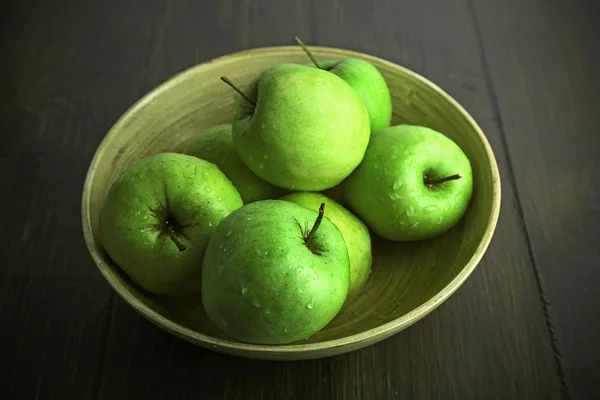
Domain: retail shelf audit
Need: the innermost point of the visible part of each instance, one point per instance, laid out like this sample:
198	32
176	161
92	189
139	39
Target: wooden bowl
409	280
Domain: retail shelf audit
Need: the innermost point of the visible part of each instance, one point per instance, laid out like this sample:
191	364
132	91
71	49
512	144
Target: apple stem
171	233
317	223
430	182
244	95
301	44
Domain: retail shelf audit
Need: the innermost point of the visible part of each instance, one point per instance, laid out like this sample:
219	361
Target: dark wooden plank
65	77
490	340
138	352
53	334
543	59
189	32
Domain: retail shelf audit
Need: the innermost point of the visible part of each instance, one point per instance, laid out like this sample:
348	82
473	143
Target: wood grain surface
523	326
542	58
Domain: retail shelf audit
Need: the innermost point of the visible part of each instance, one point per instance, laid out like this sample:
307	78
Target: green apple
216	145
274	273
370	86
367	82
158	217
414	183
355	233
301	128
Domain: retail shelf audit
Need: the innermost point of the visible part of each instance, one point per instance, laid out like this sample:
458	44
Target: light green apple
370	86
367	82
216	145
301	128
274	273
414	183
158	216
355	233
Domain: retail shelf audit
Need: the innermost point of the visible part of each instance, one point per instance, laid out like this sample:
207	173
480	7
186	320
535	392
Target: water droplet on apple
261	166
292	186
267	311
410	211
266	156
248	219
431	208
255	303
440	219
398	184
208	190
264	126
266	253
299	269
310	305
300	290
244	291
416	224
285	330
228	233
210	224
225	249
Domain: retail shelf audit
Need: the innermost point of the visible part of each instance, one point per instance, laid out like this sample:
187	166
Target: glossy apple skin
216	145
308	131
388	191
185	193
369	84
355	233
263	284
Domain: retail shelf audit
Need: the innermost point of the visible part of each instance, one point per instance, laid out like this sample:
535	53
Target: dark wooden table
526	324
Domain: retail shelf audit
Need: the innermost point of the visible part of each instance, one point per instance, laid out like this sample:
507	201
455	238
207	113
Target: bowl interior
408	279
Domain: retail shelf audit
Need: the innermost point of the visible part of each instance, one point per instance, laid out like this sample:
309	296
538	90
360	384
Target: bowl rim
296	351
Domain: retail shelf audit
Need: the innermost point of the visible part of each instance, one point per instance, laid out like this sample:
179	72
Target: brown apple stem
301	44
431	182
172	236
317	223
244	95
